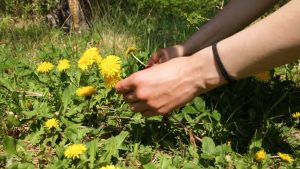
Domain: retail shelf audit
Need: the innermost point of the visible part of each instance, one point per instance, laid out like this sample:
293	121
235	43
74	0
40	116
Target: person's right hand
164	54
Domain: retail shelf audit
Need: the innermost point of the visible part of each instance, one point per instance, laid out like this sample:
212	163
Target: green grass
249	114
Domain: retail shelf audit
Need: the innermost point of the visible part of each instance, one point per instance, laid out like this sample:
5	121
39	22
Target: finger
151	61
149	113
139	107
154	58
125	86
130	97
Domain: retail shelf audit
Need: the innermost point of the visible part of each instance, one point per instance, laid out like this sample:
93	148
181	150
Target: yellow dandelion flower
285	157
130	49
44	67
110	82
98	59
63	65
89	57
86	91
110	66
264	77
52	123
296	115
73	151
109	167
260	155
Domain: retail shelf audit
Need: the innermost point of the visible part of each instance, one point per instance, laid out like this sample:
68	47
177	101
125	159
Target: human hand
164	54
164	87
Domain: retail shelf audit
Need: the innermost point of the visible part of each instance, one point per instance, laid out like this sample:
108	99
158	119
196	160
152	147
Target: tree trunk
79	21
71	15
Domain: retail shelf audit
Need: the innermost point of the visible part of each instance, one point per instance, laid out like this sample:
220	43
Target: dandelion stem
190	132
137	59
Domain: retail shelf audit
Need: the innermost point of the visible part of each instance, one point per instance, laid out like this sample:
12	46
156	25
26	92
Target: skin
273	41
234	17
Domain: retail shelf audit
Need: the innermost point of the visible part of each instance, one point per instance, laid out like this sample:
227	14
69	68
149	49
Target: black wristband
220	64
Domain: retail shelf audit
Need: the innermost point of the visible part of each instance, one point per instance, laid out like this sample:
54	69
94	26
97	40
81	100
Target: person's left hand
161	88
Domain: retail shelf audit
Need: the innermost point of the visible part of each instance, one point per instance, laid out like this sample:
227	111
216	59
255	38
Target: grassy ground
232	122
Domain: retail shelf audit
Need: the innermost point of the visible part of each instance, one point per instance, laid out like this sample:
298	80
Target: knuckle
126	98
133	108
162	111
141	95
152	104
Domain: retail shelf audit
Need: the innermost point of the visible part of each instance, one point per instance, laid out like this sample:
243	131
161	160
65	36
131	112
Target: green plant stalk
136	150
88	103
186	129
137	59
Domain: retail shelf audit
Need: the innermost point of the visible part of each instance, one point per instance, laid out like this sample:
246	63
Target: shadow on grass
250	108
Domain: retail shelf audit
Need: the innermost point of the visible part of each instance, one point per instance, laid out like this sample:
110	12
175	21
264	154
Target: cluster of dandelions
75	150
45	67
261	156
109	67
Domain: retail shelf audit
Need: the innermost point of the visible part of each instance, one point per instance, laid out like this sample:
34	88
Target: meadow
58	107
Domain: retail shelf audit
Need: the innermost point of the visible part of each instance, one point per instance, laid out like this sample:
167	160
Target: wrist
187	50
179	50
205	71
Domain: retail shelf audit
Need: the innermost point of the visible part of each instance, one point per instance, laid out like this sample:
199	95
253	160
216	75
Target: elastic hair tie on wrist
220	64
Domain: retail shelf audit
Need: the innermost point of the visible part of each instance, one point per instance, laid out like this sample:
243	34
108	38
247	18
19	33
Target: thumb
125	86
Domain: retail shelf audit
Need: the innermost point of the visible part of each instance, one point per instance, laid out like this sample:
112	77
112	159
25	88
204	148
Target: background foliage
233	122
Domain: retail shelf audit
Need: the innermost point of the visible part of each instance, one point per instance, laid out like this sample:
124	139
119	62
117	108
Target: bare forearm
234	17
273	41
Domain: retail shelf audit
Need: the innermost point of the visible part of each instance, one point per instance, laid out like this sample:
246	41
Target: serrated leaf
113	144
29	114
67	122
6	84
92	146
76	76
76	132
42	110
67	96
25	72
35	137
